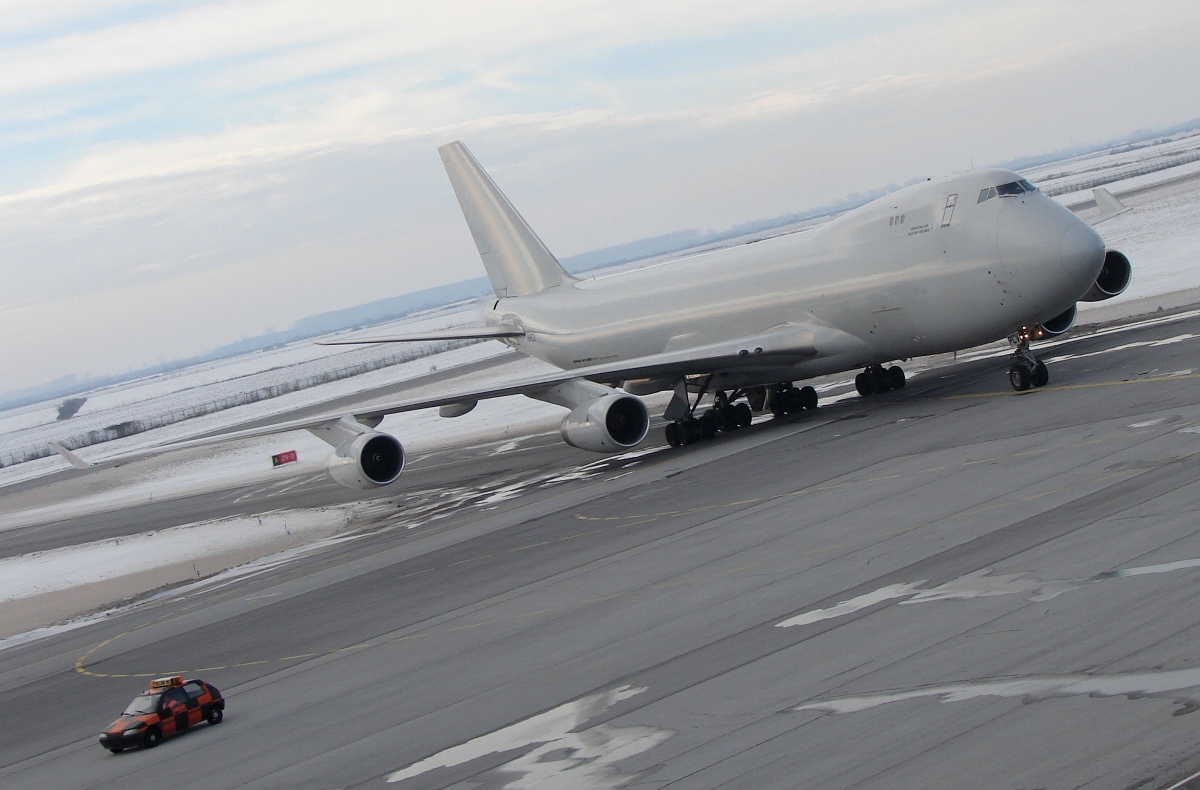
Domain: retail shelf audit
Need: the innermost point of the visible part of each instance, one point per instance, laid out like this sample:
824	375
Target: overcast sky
179	175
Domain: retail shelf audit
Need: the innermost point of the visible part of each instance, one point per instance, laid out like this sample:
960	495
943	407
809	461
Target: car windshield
146	703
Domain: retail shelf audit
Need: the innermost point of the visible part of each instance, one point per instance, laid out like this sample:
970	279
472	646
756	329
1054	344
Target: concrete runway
977	588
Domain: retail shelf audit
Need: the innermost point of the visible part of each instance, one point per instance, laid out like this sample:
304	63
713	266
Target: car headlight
134	730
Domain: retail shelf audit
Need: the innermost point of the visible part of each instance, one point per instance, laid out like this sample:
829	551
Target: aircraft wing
774	348
453	333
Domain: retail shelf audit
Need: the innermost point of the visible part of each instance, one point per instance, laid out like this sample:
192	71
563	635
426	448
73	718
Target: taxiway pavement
952	584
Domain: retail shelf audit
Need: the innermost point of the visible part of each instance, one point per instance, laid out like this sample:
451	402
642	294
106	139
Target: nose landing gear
1026	370
877	379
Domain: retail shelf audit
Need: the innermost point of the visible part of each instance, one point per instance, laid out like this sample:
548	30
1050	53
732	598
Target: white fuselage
900	277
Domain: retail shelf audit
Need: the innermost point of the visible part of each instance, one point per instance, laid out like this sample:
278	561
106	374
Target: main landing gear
726	415
877	379
1026	370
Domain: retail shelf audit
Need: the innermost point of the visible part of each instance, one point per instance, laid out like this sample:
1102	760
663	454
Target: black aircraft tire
1041	376
674	434
808	398
879	383
743	415
1020	377
895	376
862	383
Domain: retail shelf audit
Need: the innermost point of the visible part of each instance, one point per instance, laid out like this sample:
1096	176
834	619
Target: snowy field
1160	234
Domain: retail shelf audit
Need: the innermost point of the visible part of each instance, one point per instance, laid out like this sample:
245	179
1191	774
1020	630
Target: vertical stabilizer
516	260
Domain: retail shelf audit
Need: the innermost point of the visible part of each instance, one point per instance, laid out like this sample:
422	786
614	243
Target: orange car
170	706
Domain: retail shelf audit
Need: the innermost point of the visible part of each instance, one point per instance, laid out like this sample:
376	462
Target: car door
173	710
194	712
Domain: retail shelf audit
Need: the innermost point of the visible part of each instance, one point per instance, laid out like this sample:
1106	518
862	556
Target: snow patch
560	758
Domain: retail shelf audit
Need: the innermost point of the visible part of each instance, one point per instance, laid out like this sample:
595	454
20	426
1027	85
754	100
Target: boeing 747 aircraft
940	266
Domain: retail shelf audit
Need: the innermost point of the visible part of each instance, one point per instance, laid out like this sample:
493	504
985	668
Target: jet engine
369	460
613	422
1055	326
1113	280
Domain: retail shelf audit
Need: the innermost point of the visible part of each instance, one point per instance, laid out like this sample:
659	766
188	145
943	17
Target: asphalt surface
1020	610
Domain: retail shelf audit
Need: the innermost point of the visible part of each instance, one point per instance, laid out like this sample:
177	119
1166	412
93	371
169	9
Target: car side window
194	690
175	695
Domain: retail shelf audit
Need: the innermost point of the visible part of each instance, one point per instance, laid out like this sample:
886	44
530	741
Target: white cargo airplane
936	267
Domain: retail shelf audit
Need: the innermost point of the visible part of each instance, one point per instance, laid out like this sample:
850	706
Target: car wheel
214	715
152	738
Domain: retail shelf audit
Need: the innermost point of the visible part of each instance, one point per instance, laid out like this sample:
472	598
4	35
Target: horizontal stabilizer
454	333
72	459
1109	206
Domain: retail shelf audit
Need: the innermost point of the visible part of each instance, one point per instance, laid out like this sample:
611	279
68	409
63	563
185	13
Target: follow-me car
168	707
939	266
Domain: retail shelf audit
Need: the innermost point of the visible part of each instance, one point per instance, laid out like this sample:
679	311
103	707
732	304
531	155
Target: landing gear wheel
693	431
1020	377
710	422
862	383
674	434
725	418
742	415
895	376
214	716
879	382
1041	376
152	738
808	398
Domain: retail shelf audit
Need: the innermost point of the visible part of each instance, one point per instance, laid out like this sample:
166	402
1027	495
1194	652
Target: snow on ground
45	572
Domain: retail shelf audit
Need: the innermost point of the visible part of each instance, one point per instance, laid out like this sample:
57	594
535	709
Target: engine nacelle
1113	280
1055	326
613	422
367	461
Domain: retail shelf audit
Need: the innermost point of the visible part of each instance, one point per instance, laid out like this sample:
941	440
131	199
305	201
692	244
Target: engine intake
613	422
1055	326
369	460
1113	280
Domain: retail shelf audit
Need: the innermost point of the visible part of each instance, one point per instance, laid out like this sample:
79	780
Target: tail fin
516	260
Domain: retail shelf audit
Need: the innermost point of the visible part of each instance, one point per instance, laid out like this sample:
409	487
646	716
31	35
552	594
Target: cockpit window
1006	190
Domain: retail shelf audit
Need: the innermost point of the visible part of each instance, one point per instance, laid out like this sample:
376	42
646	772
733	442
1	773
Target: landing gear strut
1026	370
877	379
726	415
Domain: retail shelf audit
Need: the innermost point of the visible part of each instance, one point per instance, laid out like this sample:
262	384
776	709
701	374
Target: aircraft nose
1081	249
